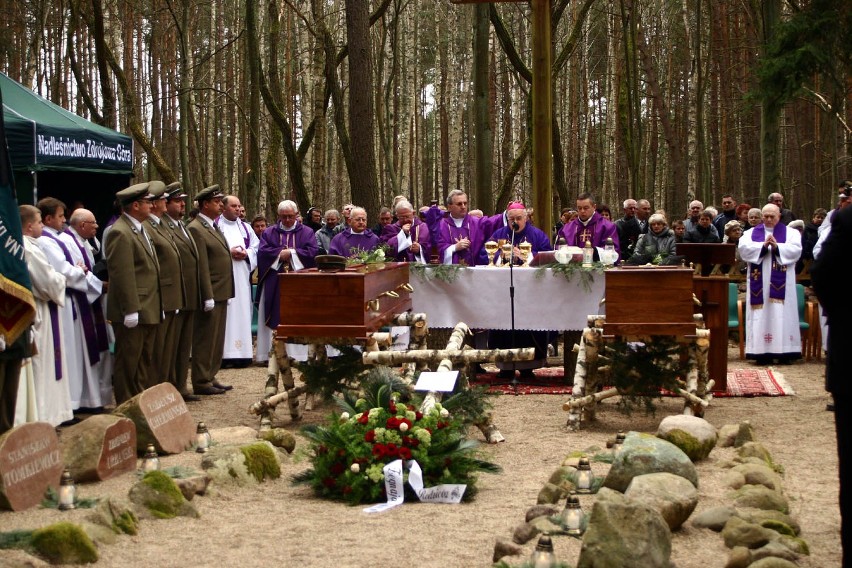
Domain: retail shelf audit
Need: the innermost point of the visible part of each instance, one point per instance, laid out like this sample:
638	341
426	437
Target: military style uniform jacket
133	275
214	261
189	263
171	283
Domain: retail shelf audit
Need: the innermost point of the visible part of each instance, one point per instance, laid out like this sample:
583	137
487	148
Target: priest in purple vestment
286	245
590	226
356	237
459	235
524	232
408	239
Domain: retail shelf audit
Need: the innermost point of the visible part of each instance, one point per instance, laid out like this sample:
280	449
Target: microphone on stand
515	227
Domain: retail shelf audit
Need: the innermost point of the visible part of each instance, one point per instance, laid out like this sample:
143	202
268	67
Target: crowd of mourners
168	295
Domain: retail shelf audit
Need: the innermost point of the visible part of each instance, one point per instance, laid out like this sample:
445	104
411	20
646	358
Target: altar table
479	297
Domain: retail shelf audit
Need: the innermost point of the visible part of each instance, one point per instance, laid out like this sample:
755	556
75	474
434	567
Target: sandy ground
279	524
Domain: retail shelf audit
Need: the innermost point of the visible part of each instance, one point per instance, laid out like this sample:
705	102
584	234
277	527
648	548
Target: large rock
99	447
769	518
161	418
30	462
727	435
625	535
672	496
643	454
694	435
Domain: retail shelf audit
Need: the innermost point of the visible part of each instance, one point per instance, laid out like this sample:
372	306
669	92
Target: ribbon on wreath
395	490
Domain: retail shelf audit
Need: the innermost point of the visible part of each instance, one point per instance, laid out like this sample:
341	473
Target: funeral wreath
349	453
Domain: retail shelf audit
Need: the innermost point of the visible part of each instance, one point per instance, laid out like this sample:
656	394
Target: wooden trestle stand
641	302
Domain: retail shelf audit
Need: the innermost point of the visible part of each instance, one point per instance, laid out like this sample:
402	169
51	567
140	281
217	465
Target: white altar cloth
479	297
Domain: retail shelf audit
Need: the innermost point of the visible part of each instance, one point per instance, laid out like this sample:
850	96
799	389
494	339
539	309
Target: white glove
2	342
229	301
131	320
208	305
162	316
177	312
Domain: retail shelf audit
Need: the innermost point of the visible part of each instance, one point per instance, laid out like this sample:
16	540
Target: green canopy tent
56	153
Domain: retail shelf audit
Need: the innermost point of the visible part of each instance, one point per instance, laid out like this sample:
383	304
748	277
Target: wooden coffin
649	301
350	303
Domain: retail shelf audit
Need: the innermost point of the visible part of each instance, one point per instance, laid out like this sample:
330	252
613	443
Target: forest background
327	102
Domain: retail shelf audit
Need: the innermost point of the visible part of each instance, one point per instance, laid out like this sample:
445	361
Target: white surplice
238	340
773	329
97	385
52	397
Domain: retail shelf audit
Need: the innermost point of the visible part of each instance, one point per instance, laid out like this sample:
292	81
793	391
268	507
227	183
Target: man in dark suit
171	287
833	293
133	304
628	229
185	318
217	287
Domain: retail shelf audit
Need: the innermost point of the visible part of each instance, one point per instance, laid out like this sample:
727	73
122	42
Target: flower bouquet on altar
349	454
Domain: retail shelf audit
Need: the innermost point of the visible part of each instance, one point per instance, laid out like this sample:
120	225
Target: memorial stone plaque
100	447
161	418
30	462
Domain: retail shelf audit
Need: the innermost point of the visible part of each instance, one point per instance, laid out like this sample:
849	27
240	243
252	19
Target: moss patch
779	527
261	461
64	543
690	445
127	523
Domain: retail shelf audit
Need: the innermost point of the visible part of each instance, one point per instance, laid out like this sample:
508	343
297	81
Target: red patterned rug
551	380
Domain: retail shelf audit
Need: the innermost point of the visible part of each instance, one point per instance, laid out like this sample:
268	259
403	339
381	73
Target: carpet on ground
551	380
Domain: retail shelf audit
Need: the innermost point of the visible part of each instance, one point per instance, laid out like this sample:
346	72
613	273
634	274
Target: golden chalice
491	247
507	253
526	252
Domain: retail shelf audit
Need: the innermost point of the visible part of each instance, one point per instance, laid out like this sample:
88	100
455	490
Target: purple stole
96	338
458	233
777	274
57	339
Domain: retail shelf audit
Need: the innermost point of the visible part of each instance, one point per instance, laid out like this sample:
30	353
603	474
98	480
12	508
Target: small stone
740	557
545	526
796	544
774	549
505	548
745	433
771	562
738	532
192	486
714	518
733	479
99	534
551	494
540	511
760	516
280	438
727	435
524	533
116	514
159	497
561	474
760	474
755	450
760	497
